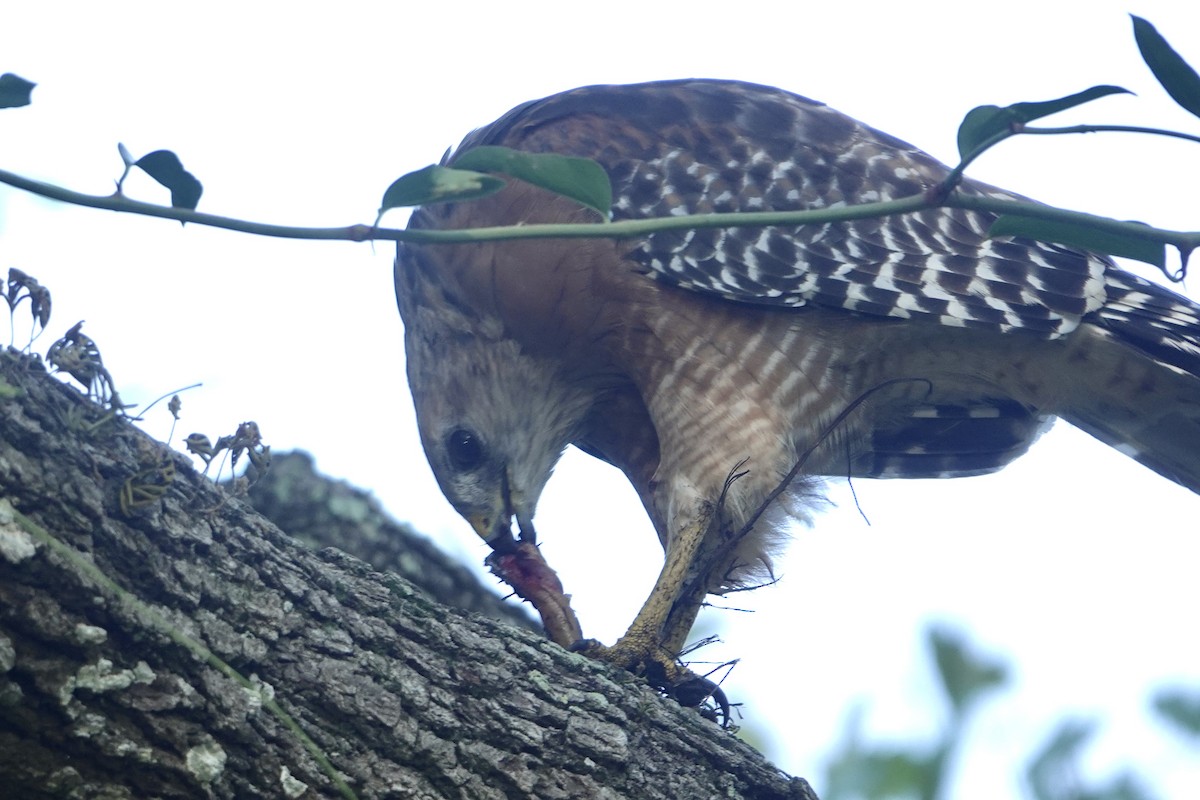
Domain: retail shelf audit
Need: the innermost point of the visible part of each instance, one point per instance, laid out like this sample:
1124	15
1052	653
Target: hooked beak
496	529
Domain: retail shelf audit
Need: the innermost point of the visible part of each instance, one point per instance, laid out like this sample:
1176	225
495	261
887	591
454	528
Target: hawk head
493	419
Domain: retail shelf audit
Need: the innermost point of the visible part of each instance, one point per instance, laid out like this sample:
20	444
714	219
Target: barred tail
1138	385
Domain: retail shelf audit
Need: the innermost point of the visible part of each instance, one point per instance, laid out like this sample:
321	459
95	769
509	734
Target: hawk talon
668	676
695	692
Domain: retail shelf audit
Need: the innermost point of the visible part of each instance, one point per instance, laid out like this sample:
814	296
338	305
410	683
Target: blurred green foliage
862	770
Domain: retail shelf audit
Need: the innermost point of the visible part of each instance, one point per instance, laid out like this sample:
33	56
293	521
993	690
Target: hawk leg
654	640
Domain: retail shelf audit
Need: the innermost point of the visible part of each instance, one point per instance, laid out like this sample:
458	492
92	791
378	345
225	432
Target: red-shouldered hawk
705	364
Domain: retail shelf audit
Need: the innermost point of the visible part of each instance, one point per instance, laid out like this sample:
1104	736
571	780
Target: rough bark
100	697
321	512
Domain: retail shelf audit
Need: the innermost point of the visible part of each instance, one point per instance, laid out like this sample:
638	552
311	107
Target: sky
1075	562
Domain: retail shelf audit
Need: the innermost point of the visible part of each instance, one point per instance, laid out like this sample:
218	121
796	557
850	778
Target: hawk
725	370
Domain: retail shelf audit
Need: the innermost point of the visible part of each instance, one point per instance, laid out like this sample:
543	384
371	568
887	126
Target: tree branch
403	696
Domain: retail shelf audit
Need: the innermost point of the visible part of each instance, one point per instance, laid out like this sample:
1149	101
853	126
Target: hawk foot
671	678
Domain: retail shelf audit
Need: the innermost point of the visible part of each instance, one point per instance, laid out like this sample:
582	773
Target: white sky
1076	563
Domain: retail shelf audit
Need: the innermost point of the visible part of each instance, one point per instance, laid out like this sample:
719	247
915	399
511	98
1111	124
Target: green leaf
438	184
980	126
1082	236
1058	757
1054	771
1175	74
965	675
984	125
580	179
1181	708
1028	112
858	769
884	772
15	91
166	168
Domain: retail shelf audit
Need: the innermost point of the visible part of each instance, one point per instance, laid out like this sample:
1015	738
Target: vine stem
1184	241
1111	129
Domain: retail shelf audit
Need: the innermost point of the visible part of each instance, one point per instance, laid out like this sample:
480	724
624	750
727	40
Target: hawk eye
465	449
